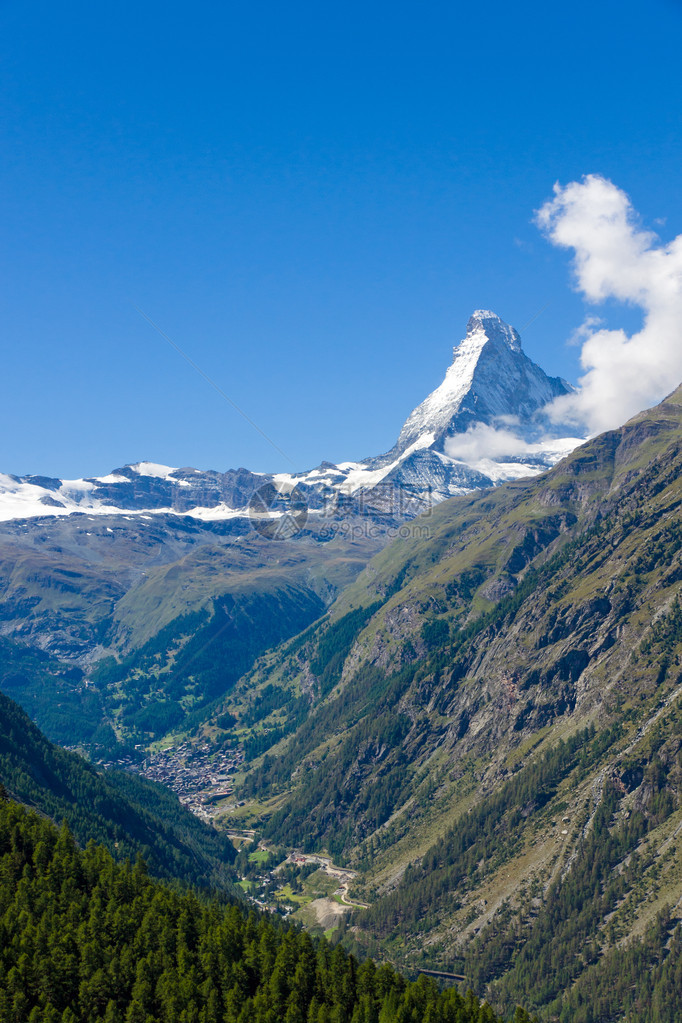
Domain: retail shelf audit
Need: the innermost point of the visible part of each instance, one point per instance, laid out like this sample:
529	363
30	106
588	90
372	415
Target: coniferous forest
86	940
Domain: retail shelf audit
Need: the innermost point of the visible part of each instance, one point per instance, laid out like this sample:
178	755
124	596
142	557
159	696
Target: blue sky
309	200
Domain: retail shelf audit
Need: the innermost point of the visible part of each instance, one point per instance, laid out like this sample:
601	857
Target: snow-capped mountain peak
490	379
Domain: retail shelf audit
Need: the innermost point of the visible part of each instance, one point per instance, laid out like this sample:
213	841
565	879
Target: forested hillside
143	621
83	940
53	695
129	815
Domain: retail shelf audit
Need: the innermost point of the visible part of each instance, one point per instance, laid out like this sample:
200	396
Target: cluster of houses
200	775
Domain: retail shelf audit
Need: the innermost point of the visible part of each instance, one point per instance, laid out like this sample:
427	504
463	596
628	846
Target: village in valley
200	775
309	887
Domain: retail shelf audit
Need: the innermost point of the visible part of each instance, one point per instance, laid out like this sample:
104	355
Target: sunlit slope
450	672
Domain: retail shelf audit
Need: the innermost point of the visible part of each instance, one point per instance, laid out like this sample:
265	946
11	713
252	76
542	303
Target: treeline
291	708
130	815
553	958
545	957
328	647
641	982
349	794
337	807
84	940
335	644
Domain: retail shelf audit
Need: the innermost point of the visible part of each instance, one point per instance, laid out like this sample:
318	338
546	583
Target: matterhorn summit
490	381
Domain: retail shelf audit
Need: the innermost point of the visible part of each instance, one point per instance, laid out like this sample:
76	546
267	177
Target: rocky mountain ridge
98	568
490	382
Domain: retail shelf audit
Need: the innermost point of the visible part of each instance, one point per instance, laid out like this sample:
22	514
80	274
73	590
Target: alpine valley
139	597
434	695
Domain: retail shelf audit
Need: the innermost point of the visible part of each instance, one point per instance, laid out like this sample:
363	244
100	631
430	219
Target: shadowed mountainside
130	816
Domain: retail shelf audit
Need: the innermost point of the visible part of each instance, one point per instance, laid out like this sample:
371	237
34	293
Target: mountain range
477	713
493	737
490	383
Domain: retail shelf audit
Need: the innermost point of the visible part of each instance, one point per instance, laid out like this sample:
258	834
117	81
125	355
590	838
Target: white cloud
585	330
483	443
614	257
